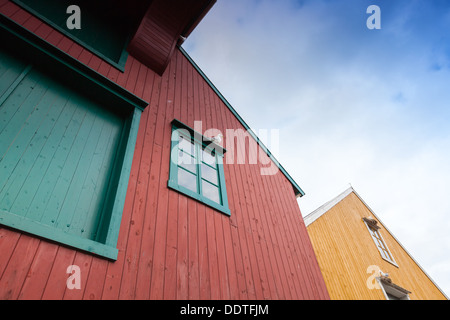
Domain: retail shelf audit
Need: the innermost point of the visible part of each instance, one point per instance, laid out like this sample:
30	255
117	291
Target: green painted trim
199	142
298	191
222	188
43	51
120	65
122	188
173	185
42	230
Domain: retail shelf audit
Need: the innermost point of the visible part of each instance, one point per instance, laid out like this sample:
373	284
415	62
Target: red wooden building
110	189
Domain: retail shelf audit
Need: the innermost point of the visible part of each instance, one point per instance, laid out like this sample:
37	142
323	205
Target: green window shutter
104	30
65	154
196	168
57	150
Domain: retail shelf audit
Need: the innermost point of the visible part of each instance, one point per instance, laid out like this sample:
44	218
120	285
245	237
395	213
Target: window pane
377	235
208	158
388	255
375	239
210	191
187	161
380	243
209	174
384	255
186	145
187	180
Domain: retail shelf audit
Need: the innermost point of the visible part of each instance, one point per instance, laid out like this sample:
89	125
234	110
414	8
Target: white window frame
376	229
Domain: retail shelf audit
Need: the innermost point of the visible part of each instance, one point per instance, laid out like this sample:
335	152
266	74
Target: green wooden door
57	151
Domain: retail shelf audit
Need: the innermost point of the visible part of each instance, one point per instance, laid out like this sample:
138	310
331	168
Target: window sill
391	262
173	185
30	226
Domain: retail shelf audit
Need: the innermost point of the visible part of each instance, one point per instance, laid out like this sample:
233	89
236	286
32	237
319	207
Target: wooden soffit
166	23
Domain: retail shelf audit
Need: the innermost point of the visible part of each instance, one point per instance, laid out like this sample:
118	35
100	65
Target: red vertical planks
8	242
56	281
84	262
187	112
16	271
96	280
37	276
171	246
182	274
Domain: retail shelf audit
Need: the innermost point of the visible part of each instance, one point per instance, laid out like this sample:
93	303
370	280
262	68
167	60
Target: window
105	28
67	137
372	226
392	291
196	167
380	244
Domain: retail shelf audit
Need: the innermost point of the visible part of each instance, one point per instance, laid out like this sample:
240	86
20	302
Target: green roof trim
298	191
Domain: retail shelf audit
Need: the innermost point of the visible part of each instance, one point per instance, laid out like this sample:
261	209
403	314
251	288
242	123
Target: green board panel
57	151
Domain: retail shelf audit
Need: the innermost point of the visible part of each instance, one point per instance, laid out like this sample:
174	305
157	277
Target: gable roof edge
316	214
297	190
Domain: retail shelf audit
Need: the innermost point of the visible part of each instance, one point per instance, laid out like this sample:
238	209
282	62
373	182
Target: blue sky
355	106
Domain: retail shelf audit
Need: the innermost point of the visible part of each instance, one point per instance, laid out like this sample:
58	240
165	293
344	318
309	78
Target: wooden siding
345	250
170	246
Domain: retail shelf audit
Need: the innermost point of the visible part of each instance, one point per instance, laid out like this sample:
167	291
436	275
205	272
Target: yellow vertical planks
348	256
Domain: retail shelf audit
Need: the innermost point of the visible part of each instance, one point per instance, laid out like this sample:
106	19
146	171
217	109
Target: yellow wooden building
360	258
